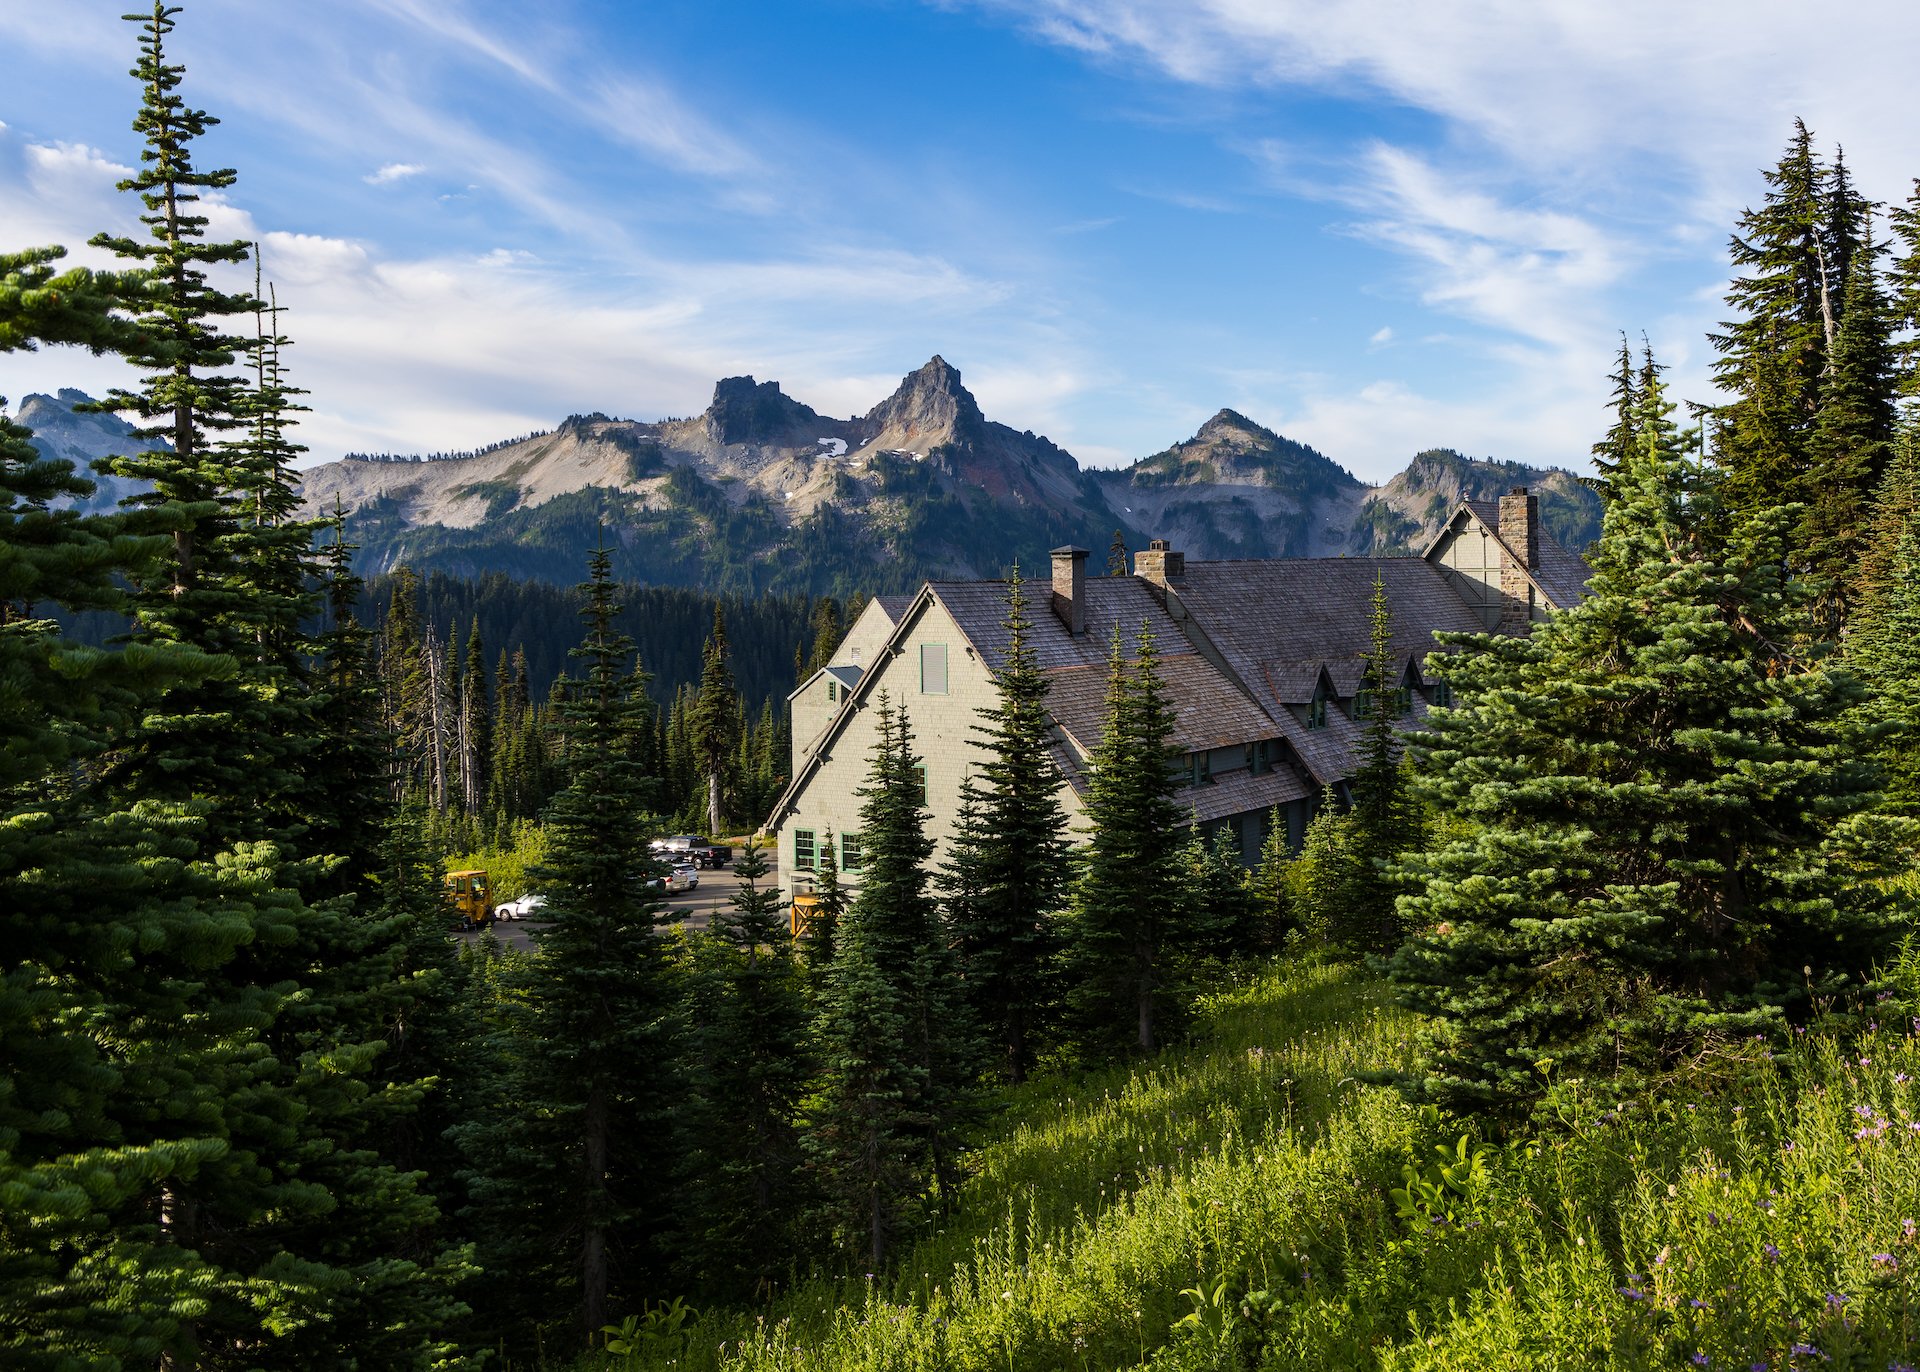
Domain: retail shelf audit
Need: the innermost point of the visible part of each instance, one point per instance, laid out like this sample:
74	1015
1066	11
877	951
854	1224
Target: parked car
682	876
527	907
692	848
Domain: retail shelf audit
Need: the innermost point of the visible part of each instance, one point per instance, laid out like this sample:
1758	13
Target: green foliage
585	1036
897	1051
1006	879
1671	846
743	1192
1129	916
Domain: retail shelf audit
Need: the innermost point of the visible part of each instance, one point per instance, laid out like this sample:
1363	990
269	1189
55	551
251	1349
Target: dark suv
694	849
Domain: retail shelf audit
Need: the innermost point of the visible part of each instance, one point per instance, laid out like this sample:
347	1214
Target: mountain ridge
761	492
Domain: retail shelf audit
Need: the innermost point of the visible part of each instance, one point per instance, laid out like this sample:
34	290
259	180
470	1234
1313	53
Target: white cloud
392	172
1381	336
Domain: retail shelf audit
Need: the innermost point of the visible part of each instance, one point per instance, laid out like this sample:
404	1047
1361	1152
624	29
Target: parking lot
694	907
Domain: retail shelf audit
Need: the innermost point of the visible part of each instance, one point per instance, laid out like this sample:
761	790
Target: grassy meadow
1249	1202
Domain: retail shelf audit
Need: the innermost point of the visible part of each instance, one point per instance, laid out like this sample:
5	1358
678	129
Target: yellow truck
471	896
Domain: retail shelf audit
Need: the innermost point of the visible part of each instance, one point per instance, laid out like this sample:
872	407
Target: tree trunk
713	804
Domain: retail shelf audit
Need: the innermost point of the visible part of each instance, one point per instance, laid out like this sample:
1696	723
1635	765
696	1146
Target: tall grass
1234	1206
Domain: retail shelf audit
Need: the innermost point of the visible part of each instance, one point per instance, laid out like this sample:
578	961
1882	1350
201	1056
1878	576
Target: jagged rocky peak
746	411
930	407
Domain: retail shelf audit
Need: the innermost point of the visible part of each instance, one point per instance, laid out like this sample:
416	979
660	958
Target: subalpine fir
1128	917
1006	880
896	1045
1664	841
744	1190
565	1165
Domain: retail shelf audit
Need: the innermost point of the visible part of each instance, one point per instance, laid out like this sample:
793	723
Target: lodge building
1263	660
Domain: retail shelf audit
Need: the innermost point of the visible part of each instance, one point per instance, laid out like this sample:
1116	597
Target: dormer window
1317	708
1441	694
833	691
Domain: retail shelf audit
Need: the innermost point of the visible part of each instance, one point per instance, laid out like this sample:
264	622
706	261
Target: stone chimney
1159	563
1520	531
1070	588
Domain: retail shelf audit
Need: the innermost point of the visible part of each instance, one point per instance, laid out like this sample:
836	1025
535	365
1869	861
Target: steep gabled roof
1562	574
848	677
1278	623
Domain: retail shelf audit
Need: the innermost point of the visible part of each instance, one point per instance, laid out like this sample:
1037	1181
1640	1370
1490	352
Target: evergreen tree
1667	845
822	934
476	742
590	1018
88	1005
895	1043
1610	452
1126	918
1270	889
1773	354
713	721
743	1192
1851	441
349	801
1222	915
1117	554
1883	648
1385	822
1903	289
1006	881
1320	882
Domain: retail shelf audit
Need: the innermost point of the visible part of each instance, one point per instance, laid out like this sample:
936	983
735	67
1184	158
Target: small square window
803	850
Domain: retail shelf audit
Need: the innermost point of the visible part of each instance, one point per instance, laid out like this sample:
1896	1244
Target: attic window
833	690
1441	694
933	669
1317	709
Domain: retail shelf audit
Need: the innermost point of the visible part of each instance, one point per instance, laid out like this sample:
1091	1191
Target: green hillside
1244	1203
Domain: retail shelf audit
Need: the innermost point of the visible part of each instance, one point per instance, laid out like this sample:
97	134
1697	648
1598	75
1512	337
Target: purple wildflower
1900	1078
1807	1350
1835	1299
1906	1229
1697	1304
1773	1254
1885	1260
1630	1293
1699	1360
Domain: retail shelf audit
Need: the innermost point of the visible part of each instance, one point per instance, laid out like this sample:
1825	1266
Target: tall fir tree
1006	880
591	1020
1903	289
1385	821
1774	352
95	981
1850	445
1613	450
1669	844
1117	554
750	1066
1126	918
1884	647
895	1043
713	721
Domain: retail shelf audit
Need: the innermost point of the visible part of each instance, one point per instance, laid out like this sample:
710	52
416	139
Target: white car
682	876
527	907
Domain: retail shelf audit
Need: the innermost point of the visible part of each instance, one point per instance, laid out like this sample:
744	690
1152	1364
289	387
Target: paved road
694	907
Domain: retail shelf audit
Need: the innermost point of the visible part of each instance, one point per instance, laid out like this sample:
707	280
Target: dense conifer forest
1583	1031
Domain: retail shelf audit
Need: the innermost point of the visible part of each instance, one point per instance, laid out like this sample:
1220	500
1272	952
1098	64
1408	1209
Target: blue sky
1375	226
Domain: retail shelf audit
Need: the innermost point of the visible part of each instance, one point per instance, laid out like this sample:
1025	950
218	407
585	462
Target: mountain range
760	492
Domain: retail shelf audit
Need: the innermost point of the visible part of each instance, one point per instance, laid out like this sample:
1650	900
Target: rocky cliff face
759	491
81	439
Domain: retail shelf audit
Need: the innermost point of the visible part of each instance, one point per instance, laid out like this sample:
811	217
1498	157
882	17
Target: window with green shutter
933	669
